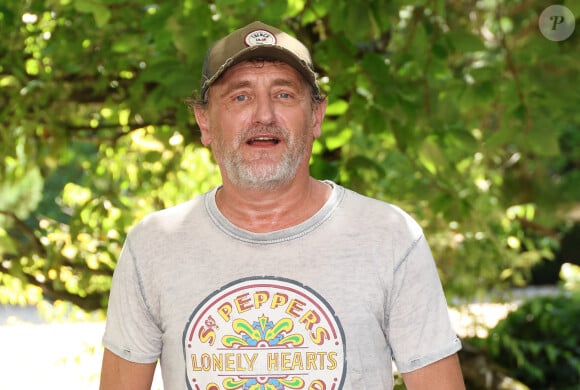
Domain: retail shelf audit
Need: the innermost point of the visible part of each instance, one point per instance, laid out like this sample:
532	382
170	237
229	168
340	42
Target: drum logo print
264	334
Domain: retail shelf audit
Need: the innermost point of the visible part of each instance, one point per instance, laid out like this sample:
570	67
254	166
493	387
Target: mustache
258	131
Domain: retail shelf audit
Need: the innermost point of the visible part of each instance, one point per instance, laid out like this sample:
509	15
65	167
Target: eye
284	95
240	98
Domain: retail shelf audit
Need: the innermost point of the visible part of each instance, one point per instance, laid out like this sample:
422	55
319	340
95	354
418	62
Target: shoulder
170	220
378	214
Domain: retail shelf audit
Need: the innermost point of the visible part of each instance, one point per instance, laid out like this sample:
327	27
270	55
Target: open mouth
263	140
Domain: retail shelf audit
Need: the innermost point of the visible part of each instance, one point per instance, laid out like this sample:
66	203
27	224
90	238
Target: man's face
260	123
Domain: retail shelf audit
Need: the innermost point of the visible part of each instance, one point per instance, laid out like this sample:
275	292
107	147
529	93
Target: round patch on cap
260	37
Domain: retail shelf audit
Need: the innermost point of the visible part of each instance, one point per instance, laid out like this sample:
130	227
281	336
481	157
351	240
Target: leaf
337	107
375	121
100	12
362	164
544	141
460	139
430	156
127	43
9	81
464	41
295	7
501	137
336	139
102	16
377	69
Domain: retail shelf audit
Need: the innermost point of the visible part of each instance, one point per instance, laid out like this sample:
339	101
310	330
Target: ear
203	123
318	117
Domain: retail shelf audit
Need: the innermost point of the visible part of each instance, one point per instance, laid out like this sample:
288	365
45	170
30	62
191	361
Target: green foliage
462	114
539	343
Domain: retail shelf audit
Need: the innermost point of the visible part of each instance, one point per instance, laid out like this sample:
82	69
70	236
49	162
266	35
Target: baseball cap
256	40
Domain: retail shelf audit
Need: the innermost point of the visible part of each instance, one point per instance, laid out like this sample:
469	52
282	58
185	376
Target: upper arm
444	374
120	374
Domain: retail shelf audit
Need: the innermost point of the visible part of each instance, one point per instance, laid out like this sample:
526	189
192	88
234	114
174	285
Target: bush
539	343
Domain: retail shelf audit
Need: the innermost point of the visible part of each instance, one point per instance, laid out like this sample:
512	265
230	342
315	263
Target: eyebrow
232	87
287	83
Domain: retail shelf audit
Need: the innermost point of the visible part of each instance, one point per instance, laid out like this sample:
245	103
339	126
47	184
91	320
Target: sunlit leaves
570	274
20	189
75	195
13	291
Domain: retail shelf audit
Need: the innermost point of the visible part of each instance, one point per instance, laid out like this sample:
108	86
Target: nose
264	110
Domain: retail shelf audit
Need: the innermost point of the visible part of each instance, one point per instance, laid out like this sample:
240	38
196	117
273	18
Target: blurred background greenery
461	112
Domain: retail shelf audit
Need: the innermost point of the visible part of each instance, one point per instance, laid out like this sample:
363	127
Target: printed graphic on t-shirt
264	333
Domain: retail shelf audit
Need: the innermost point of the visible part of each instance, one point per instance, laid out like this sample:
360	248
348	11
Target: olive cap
256	40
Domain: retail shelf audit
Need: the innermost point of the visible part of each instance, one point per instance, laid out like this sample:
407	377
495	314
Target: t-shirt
326	304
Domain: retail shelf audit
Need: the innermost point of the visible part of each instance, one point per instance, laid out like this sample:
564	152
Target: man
275	280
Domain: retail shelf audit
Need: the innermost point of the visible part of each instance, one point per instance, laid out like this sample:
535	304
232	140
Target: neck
263	211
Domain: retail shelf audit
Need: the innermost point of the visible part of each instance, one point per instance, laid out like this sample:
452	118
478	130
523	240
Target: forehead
259	69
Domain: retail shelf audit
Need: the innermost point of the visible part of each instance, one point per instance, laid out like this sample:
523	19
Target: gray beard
260	175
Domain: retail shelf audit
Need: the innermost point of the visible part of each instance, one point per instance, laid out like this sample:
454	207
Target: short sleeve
130	330
419	328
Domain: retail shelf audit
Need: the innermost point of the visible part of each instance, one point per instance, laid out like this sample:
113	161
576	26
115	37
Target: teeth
263	139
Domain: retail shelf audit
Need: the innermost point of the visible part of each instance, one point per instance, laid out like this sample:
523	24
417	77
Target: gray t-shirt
328	303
